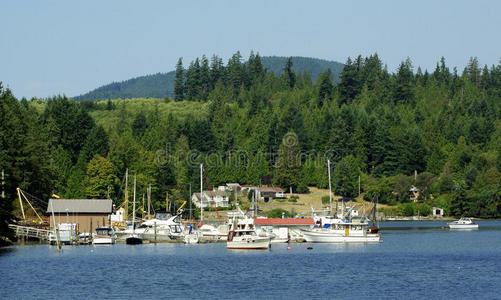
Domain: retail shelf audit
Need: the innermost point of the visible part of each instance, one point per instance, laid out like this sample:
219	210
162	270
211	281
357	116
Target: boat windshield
103	231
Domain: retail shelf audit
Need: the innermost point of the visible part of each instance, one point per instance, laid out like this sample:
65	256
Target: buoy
289	248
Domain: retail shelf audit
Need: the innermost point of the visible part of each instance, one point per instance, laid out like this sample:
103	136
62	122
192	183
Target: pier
30	232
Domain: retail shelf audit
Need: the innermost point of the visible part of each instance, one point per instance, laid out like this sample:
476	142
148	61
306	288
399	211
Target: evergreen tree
179	81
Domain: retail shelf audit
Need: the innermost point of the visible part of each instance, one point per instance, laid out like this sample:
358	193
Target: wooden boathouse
86	213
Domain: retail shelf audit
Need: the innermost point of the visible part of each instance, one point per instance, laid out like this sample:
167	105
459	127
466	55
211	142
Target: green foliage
99	178
267	121
276	213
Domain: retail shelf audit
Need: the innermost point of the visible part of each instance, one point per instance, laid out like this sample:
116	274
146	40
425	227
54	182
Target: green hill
161	85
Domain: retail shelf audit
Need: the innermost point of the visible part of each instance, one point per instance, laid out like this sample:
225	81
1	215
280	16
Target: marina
415	260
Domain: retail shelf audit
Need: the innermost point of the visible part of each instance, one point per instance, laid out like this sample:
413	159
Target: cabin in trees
414	194
269	193
86	213
219	198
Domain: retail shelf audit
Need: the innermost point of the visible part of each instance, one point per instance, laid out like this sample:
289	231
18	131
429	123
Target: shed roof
271	189
279	221
80	206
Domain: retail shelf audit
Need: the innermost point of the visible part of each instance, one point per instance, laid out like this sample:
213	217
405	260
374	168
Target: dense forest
161	85
439	131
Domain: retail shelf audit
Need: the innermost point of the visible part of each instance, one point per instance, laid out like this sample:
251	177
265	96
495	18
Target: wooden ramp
27	231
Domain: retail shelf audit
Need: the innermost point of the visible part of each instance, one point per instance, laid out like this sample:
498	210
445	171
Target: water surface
415	260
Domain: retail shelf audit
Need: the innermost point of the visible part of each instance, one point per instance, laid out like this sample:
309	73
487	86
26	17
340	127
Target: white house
220	198
438	212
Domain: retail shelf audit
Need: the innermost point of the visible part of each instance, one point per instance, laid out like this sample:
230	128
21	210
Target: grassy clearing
181	109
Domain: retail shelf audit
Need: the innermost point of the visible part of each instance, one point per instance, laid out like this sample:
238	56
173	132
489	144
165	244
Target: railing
26	231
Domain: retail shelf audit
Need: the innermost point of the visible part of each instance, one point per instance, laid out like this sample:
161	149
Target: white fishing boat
335	230
103	236
247	239
463	223
242	234
342	228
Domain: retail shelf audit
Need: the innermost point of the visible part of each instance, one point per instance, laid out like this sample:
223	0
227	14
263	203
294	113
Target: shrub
276	213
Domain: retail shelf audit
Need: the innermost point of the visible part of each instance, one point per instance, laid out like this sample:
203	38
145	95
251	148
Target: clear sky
71	47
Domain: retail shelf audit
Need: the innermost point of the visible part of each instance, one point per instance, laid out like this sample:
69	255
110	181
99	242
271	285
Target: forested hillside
161	85
250	126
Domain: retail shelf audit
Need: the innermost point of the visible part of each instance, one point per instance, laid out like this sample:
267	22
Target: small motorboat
103	236
463	223
247	239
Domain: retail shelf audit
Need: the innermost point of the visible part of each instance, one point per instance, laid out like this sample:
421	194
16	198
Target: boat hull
333	237
250	244
103	241
133	240
463	226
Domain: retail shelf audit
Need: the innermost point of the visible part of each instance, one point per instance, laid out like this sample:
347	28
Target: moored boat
335	230
103	236
247	239
463	223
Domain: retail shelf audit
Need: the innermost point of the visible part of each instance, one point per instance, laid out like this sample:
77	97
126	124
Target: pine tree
179	81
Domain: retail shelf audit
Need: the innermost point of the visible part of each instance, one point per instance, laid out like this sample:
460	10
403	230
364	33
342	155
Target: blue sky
71	47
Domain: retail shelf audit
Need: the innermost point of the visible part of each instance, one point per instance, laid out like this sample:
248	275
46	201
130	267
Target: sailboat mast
134	207
149	200
330	188
201	193
126	200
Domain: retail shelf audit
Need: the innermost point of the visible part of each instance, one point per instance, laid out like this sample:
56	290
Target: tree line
439	131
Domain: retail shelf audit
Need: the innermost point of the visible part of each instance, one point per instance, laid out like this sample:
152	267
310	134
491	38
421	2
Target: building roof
279	221
271	189
214	193
80	206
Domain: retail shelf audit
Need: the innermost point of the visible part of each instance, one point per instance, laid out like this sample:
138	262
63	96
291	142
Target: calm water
415	260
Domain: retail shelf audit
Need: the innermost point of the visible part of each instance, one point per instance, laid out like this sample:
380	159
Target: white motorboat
103	236
336	230
242	234
340	229
463	223
247	239
212	232
192	238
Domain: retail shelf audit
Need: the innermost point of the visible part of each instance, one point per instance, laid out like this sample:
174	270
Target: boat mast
201	191
149	200
126	200
330	188
134	207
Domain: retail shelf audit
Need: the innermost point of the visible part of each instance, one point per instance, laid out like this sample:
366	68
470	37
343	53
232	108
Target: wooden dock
30	232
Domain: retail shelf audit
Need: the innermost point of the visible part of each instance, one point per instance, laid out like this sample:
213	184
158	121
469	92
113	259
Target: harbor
412	262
